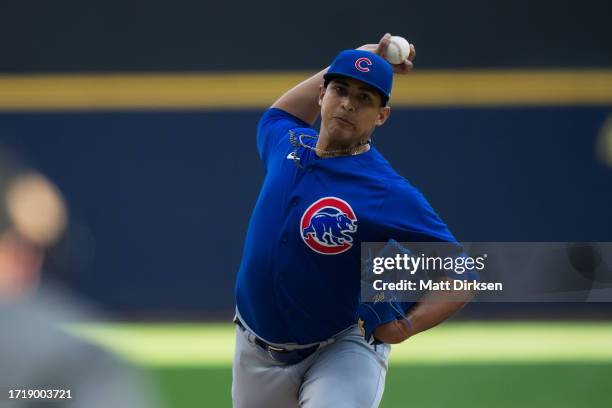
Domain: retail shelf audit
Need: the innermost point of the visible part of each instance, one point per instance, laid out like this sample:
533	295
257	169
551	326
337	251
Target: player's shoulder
273	131
398	187
387	174
276	116
405	205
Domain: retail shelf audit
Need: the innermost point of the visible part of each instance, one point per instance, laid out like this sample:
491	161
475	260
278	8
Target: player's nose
348	104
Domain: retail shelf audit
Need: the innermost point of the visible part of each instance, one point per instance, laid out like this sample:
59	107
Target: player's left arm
411	214
432	309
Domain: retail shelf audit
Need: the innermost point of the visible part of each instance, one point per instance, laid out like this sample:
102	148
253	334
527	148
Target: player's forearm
303	99
432	309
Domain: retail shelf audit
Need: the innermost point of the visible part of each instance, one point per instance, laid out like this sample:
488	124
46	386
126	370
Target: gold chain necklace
296	142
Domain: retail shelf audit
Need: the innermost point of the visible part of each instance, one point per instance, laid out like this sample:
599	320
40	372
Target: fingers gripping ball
398	50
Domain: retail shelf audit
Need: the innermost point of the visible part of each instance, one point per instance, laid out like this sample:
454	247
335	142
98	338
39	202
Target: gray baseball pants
347	373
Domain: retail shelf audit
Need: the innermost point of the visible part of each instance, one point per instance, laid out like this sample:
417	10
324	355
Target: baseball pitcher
303	337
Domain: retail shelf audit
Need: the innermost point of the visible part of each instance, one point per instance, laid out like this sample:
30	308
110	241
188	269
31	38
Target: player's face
350	110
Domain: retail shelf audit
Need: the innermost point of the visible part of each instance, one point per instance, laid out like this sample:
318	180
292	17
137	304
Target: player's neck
327	147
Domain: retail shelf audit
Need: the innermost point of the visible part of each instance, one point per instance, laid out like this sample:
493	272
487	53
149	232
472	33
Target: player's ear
321	93
383	115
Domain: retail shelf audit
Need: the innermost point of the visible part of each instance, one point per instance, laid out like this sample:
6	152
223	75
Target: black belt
280	354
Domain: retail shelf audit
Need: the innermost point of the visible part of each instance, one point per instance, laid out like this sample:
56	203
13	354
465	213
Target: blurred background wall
144	115
190	35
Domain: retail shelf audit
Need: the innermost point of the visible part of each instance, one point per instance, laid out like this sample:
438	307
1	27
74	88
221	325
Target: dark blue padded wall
160	201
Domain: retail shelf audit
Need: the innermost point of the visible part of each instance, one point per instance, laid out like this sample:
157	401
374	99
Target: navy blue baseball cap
364	66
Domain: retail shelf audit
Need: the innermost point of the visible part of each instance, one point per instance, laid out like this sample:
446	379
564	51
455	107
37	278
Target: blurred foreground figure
38	357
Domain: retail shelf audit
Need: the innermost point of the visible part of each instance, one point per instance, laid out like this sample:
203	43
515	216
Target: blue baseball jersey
299	279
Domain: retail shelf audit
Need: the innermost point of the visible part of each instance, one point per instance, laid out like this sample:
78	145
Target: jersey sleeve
273	128
409	217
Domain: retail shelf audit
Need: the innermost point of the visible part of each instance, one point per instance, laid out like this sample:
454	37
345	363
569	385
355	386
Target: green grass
539	364
470	385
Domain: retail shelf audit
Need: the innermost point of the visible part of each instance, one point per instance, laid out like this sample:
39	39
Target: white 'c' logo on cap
359	64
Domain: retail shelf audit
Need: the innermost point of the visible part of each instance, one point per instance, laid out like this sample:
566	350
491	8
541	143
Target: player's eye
340	90
365	97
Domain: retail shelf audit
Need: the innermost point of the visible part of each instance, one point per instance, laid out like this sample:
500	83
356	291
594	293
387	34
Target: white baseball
398	50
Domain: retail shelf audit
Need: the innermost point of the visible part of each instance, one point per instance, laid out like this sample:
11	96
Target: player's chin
342	133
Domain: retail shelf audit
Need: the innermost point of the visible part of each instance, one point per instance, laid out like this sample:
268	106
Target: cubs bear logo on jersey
327	226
